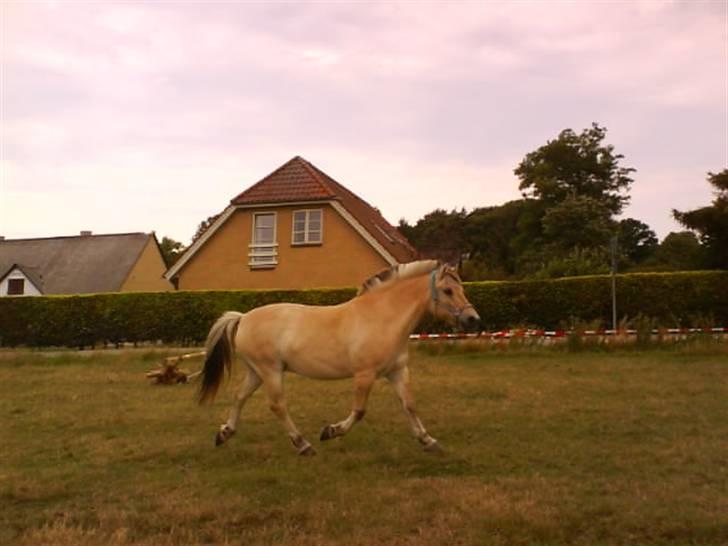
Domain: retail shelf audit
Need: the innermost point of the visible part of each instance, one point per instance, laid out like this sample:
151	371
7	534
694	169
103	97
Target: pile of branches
169	372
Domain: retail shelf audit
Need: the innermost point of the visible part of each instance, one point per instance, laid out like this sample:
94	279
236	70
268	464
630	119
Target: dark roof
299	181
75	265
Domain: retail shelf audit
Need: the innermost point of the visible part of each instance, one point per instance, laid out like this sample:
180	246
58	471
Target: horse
365	338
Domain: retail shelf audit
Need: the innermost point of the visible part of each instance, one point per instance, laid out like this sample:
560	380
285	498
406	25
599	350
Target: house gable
147	274
30	282
223	261
300	184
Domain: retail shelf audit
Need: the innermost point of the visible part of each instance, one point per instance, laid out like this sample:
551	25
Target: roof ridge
388	230
338	185
93	235
316	173
259	182
294	159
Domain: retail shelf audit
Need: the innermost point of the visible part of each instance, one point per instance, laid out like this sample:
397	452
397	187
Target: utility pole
613	251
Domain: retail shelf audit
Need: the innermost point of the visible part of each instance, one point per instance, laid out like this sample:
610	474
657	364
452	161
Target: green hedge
673	299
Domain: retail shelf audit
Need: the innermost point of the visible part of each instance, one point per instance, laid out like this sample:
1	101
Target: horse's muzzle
470	322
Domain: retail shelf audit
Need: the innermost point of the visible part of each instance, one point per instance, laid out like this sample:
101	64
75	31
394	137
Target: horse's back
305	339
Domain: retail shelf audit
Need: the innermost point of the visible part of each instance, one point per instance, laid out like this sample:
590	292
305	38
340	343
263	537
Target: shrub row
672	299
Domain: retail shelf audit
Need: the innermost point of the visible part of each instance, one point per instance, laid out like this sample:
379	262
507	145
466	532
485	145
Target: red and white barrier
509	334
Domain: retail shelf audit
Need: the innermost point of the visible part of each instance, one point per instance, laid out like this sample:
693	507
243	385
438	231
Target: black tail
220	347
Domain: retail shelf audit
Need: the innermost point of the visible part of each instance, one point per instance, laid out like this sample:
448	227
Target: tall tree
171	250
439	234
678	251
408	230
577	222
711	222
490	233
636	240
576	165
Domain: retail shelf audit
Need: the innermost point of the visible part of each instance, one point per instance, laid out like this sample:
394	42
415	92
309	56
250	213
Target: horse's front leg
399	379
362	387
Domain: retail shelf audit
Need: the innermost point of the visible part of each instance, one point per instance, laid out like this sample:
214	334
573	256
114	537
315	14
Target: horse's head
448	301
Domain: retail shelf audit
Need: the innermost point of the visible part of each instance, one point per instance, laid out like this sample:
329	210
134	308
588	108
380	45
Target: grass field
542	448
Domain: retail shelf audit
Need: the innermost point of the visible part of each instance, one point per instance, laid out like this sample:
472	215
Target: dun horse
364	338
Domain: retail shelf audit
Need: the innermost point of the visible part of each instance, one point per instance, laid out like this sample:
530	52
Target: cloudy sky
140	116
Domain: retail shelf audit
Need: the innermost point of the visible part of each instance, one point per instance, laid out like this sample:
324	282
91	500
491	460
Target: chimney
85	234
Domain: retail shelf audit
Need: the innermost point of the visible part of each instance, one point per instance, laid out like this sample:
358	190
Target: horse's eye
447	291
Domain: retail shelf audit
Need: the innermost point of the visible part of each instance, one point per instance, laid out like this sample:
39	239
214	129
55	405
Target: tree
407	230
711	222
679	251
490	234
202	227
636	240
576	223
439	234
576	165
171	250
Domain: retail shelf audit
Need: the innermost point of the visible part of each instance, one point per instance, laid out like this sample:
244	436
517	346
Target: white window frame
306	239
263	255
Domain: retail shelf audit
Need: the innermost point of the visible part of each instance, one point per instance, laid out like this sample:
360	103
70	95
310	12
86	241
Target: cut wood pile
169	372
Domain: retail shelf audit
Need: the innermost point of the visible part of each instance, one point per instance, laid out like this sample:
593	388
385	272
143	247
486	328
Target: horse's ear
448	269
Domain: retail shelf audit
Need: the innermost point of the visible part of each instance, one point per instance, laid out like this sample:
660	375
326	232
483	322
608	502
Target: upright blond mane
400	271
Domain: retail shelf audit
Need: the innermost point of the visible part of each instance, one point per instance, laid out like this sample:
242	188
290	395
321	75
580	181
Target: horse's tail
220	349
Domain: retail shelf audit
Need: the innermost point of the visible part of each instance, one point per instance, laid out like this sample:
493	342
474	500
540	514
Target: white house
20	281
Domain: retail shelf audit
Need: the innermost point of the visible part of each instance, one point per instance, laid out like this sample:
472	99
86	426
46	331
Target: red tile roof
300	181
292	181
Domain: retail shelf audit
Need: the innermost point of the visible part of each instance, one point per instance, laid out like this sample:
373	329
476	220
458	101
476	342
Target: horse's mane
400	271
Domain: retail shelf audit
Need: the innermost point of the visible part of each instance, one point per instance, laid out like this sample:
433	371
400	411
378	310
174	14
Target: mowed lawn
542	448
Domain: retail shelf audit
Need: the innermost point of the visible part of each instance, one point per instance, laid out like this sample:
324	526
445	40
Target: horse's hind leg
362	387
399	379
273	383
250	385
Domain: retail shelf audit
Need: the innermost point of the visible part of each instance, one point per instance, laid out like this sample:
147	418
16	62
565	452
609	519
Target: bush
669	299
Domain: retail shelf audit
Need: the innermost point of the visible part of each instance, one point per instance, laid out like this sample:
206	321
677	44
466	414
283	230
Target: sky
151	116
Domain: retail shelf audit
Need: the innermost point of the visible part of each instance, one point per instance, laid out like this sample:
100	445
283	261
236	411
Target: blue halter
433	290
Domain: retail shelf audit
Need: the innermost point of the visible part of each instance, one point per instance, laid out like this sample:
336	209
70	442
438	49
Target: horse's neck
408	301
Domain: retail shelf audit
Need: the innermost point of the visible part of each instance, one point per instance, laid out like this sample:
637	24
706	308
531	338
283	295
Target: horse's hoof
223	435
328	432
434	448
307	451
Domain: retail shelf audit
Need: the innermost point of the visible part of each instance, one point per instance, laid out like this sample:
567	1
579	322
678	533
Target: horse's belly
319	370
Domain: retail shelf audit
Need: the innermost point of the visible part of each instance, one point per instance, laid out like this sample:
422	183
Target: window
16	287
307	227
264	249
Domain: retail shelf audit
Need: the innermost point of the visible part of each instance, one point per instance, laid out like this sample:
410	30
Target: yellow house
296	228
83	264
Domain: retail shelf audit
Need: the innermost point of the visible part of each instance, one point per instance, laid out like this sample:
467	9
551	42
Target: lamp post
613	250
